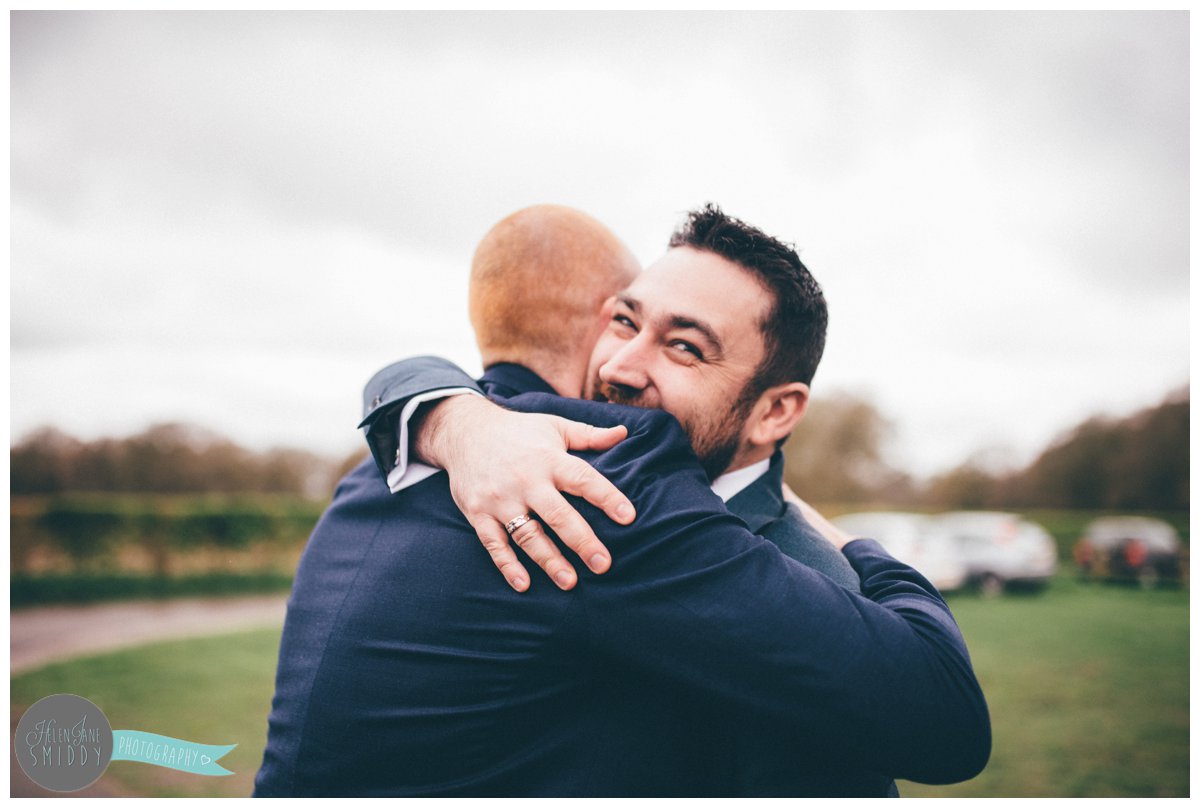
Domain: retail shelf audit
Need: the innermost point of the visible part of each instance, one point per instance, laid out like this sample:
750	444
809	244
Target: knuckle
545	457
494	544
587	481
490	495
556	513
474	503
525	534
580	473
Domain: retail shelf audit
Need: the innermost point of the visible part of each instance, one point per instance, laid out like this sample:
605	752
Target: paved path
53	633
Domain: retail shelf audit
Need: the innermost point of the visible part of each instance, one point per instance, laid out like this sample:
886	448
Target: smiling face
687	337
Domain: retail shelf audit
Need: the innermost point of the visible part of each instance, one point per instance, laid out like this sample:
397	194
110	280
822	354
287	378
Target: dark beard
715	460
715	451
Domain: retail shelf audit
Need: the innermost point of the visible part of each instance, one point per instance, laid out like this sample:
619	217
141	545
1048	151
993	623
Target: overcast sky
234	219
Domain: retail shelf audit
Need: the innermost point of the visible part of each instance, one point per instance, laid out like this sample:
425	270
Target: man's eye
622	320
687	348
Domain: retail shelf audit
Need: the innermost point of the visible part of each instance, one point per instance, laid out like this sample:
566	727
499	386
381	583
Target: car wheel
991	586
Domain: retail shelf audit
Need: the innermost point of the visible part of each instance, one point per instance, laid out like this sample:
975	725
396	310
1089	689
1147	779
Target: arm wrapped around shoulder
956	740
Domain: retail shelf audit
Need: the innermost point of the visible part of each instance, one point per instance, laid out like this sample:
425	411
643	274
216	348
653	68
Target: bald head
538	281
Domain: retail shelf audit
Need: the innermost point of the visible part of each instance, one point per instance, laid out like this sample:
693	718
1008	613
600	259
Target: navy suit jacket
760	504
408	667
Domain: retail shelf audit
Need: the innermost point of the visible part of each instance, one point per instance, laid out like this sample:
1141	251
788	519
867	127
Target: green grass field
214	690
1087	684
1088	690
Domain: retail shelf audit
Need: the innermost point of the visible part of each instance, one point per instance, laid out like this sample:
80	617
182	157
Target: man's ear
776	413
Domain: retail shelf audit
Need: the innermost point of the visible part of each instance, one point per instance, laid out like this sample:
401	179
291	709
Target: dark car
1131	548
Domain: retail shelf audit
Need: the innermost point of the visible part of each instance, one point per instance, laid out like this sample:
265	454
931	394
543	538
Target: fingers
495	540
585	437
532	539
533	485
576	476
568	525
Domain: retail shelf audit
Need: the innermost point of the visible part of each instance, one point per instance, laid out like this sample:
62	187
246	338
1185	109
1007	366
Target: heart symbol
205	760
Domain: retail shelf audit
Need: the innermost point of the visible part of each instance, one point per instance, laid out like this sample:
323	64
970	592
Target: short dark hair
794	328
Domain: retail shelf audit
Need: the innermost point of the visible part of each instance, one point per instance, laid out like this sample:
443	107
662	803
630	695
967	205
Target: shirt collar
731	482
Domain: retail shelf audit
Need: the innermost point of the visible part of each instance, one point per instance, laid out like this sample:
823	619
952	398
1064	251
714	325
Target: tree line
167	459
1139	462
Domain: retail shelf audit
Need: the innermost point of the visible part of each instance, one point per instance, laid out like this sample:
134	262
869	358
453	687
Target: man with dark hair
792	329
795	326
703	662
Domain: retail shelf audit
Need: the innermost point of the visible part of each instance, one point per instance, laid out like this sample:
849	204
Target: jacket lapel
761	503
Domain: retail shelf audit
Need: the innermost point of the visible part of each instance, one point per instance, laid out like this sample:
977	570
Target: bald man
522	311
539	281
407	668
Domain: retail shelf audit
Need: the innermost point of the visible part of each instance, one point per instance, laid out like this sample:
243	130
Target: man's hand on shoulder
503	465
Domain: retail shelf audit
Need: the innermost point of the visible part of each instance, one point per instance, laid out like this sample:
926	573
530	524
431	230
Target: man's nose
627	367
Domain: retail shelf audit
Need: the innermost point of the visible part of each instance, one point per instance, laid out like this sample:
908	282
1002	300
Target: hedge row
91	526
28	590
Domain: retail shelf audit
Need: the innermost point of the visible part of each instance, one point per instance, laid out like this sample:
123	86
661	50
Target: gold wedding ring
513	524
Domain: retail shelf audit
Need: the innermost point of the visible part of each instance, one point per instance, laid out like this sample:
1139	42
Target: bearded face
714	434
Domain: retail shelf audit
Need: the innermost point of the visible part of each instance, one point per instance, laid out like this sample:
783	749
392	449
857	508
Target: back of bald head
538	280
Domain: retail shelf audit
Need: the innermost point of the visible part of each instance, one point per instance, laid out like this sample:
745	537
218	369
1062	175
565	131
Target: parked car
1001	550
908	537
1131	548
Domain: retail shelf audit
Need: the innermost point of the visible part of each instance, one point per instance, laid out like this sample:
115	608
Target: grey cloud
268	181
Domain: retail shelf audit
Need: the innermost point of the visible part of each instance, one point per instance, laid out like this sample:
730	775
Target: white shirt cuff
405	474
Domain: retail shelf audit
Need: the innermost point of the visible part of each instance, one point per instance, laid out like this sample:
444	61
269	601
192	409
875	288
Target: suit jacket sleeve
797	539
390	389
694	596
